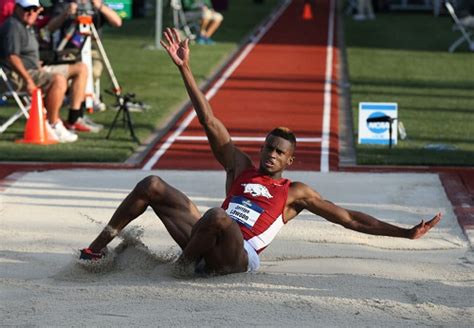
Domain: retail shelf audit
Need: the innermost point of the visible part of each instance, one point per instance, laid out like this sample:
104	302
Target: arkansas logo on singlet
256	190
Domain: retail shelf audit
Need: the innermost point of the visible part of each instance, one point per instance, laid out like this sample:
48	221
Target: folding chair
24	104
466	34
188	22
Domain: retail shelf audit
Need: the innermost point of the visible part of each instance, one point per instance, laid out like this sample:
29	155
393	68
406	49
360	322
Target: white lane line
167	144
253	42
242	139
327	92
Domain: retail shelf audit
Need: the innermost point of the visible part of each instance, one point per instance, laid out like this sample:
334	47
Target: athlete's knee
152	187
217	218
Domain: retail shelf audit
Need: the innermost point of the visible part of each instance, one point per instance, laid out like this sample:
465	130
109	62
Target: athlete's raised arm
303	197
230	157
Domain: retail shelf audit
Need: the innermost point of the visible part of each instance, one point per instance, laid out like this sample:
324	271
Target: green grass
147	73
403	58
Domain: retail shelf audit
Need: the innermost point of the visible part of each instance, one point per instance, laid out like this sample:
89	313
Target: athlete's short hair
285	133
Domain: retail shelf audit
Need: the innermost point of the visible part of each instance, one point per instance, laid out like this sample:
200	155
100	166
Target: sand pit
314	274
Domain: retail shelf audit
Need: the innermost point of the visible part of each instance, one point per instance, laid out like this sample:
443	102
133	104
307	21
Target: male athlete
259	202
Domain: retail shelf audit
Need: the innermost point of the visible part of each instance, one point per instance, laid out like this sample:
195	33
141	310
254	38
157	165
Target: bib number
244	211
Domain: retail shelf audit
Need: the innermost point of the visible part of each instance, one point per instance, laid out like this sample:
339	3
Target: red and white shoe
91	123
88	254
82	126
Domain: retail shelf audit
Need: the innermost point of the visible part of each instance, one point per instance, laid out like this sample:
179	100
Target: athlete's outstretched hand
177	49
422	228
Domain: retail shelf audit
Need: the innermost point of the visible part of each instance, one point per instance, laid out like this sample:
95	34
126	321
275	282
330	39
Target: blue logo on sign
378	127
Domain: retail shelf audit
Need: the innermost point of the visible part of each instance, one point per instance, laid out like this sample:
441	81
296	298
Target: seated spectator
64	15
19	56
6	9
465	12
364	10
210	19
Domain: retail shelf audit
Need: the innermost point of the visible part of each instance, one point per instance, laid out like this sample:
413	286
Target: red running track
283	80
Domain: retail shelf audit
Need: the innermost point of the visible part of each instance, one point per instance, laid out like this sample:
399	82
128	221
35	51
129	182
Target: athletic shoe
201	40
81	126
50	131
99	106
88	254
210	42
90	122
62	134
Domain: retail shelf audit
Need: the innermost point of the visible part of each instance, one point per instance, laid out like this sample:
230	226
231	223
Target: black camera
85	8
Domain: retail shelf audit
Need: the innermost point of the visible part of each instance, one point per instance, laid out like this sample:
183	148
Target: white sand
314	274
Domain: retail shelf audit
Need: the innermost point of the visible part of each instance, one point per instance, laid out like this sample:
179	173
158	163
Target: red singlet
257	202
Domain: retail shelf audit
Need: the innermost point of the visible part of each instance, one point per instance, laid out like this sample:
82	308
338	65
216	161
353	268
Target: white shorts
254	260
62	69
252	265
205	14
209	14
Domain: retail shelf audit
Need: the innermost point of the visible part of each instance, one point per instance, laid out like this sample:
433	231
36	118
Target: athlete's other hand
423	227
177	49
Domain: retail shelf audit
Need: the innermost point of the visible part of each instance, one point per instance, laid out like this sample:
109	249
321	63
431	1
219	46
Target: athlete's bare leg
214	237
218	239
175	210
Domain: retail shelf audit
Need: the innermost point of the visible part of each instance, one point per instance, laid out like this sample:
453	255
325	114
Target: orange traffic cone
307	11
36	131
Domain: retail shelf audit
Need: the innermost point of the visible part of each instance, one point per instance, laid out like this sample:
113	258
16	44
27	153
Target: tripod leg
130	125
117	89
114	122
125	117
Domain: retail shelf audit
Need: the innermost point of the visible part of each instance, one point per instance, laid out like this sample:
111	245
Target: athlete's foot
88	255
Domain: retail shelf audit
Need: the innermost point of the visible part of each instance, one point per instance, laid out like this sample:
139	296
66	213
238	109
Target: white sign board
377	132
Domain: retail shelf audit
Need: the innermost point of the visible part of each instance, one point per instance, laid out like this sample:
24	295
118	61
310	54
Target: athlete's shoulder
298	185
300	190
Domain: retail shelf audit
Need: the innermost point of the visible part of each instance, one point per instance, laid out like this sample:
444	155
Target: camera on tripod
85	8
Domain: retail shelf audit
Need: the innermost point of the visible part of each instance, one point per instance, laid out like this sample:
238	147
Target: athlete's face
276	154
